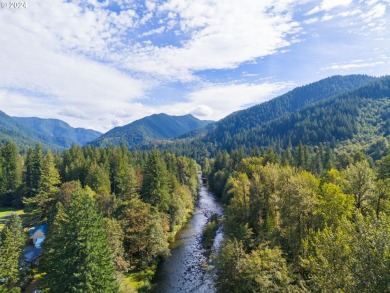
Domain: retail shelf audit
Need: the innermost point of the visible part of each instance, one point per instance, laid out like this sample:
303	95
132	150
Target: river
184	271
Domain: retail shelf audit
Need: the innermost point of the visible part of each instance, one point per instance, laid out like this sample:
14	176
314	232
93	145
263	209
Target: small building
38	235
37	238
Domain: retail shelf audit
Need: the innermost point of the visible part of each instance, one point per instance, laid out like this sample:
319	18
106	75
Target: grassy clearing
4	212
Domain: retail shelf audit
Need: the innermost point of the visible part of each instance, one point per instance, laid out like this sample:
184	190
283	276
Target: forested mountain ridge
290	102
11	130
358	114
51	133
150	128
61	133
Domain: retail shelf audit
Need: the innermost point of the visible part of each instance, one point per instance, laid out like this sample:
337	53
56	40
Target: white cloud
91	66
354	64
220	34
376	12
327	5
214	102
311	20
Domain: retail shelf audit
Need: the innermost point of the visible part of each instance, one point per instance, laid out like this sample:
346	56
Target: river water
184	270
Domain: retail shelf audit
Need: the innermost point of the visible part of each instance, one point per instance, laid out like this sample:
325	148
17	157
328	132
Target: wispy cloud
327	5
93	63
217	101
357	64
216	35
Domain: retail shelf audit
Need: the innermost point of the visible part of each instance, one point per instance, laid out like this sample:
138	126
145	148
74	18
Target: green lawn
4	212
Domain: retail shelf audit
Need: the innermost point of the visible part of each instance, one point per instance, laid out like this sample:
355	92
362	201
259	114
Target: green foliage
360	183
354	257
384	167
333	205
144	236
12	240
116	239
98	179
40	207
330	231
155	182
10	173
209	231
262	270
77	253
33	171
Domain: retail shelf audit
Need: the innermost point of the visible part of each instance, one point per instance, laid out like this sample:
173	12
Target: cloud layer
95	63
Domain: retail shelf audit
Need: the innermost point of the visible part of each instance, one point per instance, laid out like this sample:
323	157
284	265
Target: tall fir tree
12	240
77	255
155	189
11	174
33	171
40	207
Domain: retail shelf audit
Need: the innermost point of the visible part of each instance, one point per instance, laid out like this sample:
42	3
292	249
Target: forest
110	212
304	180
303	221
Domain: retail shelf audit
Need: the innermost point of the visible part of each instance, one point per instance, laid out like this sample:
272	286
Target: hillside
51	133
59	132
233	125
358	116
150	128
11	130
339	111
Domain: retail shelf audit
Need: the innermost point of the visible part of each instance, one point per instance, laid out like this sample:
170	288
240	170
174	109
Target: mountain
51	133
11	130
59	132
338	110
359	116
150	128
230	128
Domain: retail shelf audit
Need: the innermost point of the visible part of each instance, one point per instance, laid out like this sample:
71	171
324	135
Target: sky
100	63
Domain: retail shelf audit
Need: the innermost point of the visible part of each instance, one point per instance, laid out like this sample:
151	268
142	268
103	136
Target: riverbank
184	270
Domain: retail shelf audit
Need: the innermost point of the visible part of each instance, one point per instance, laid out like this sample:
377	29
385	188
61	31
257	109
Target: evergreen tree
11	246
155	189
98	179
287	157
39	207
10	168
33	171
300	155
77	255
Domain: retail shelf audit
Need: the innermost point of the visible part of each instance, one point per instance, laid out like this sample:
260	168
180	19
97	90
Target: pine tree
77	255
11	246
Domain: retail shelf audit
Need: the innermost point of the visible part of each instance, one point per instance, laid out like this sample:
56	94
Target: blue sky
100	64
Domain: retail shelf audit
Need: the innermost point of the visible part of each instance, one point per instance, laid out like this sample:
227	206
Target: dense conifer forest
110	212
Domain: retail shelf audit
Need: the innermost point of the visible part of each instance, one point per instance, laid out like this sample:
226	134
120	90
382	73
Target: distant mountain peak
159	126
50	132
